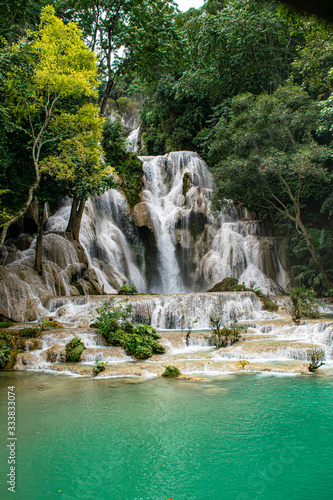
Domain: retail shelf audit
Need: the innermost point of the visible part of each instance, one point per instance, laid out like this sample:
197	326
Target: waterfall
168	243
133	140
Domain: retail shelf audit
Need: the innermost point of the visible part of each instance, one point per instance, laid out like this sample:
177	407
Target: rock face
168	243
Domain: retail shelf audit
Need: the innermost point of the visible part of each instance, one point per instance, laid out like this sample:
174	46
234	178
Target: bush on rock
74	349
127	290
113	323
171	372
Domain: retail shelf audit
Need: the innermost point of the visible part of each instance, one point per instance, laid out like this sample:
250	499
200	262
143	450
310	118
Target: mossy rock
187	183
24	332
79	288
51	325
74	349
171	372
228	285
6	324
12	359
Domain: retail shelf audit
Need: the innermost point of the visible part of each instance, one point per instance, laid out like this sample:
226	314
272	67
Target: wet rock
142	215
57	354
30	360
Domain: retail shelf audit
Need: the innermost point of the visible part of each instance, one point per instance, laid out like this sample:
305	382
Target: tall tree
59	67
78	162
127	35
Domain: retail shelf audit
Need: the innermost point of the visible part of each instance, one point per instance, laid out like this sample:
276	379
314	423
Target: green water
240	437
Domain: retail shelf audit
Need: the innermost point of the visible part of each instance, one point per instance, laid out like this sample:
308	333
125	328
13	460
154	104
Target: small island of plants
113	323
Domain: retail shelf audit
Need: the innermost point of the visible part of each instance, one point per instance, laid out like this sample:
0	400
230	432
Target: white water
192	251
169	243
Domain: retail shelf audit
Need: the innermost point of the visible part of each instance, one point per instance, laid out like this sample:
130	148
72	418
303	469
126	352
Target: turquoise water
240	437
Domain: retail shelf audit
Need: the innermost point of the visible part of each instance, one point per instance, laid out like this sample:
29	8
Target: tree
127	35
303	302
315	357
79	161
60	67
268	159
241	47
17	16
228	48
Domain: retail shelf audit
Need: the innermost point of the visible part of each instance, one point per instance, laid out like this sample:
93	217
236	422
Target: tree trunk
39	241
74	223
312	250
106	96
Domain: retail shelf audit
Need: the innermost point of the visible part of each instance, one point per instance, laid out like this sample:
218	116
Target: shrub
127	290
315	357
222	335
171	372
143	352
113	316
303	302
138	341
74	349
228	285
100	367
157	348
4	356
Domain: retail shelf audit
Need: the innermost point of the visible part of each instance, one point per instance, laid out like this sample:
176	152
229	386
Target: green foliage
51	325
127	290
5	348
113	317
12	359
6	324
235	47
32	332
267	303
315	356
223	336
127	36
100	367
17	16
171	372
126	164
269	160
138	341
228	285
307	274
74	349
4	356
41	75
303	302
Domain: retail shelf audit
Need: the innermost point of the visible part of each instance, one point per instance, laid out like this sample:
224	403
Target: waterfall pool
237	437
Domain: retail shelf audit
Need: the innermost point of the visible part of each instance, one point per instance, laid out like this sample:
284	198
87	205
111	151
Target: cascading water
168	243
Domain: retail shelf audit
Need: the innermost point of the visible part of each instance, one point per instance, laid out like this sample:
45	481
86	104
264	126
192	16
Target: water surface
238	437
